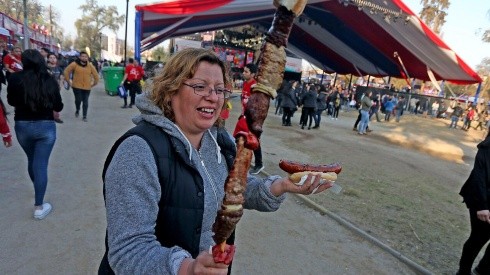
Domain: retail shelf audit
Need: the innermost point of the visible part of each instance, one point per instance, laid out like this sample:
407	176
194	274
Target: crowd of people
182	114
34	79
313	99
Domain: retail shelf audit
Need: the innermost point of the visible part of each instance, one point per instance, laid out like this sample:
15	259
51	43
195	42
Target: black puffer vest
181	205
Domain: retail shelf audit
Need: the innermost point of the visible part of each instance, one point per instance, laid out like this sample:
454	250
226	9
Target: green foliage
47	16
159	54
94	19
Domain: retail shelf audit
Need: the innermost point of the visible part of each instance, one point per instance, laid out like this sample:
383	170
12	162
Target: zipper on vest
213	186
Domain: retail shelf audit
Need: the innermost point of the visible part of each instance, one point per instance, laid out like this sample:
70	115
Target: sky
462	31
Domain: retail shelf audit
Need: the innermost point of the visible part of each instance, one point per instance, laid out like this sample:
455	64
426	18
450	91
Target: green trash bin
112	78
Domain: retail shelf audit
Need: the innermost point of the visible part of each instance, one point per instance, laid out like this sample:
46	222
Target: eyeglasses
201	90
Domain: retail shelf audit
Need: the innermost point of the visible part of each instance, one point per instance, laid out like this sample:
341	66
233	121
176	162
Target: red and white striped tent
357	37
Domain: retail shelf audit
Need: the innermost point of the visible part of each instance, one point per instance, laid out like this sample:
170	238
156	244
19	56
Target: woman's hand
483	215
312	185
203	264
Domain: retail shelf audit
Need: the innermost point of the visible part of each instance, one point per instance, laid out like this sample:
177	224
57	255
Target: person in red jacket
4	127
133	73
249	75
12	61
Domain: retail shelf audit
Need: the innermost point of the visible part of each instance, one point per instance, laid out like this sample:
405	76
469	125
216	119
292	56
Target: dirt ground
401	181
400	185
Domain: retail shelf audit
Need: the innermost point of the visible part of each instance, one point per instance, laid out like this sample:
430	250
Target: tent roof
332	36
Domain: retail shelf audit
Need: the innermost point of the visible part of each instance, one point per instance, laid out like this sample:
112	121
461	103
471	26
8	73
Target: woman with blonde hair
164	179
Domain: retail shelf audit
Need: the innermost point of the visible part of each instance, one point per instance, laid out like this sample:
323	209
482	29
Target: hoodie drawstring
188	142
218	149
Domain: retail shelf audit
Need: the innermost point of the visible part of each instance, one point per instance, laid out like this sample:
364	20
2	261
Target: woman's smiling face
194	114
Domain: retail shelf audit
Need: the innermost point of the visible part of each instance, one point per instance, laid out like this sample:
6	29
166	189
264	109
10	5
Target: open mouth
208	111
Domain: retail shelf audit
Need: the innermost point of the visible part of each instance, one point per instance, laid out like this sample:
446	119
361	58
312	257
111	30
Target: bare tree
486	34
94	19
15	9
434	13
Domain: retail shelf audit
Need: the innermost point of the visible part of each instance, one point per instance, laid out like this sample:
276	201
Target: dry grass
400	183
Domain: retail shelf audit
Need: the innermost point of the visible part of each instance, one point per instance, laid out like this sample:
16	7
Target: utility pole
100	42
26	29
126	34
50	29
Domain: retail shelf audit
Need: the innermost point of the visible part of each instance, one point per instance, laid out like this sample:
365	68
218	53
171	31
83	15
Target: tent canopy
4	32
374	37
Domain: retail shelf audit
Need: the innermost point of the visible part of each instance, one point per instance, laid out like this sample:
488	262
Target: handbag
122	91
66	85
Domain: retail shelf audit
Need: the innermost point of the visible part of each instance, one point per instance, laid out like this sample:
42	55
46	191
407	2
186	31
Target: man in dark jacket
288	104
455	116
3	52
321	105
308	100
476	195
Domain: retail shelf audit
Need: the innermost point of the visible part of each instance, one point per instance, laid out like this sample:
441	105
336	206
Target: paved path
295	240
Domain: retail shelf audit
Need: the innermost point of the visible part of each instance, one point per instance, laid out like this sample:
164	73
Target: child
4	127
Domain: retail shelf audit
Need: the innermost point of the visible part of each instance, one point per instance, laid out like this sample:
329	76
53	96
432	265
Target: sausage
231	208
256	112
292	167
271	63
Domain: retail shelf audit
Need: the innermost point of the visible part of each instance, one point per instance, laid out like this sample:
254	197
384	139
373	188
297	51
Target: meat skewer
271	64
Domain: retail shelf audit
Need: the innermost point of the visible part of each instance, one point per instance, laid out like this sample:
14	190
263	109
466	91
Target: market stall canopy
4	32
375	37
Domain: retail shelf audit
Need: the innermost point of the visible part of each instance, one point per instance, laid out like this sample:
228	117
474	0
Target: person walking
35	94
482	117
366	103
400	105
375	108
476	196
249	75
470	114
321	105
435	109
389	106
12	62
359	116
57	72
455	116
4	126
288	104
309	105
3	53
280	93
133	73
249	72
160	212
336	106
304	89
85	77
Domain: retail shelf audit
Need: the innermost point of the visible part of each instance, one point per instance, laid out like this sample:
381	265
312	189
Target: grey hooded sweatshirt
133	192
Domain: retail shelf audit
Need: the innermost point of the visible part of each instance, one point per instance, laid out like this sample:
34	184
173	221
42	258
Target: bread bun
296	177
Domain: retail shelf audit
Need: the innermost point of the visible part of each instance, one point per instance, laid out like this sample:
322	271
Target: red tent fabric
346	39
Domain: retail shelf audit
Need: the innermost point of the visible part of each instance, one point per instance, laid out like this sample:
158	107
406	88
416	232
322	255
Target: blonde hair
179	68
